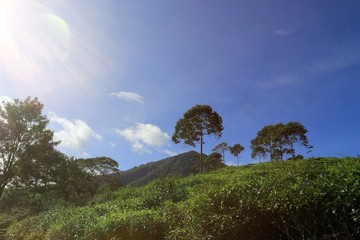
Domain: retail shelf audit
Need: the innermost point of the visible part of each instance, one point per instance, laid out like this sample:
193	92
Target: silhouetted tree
236	150
279	139
197	122
295	133
221	148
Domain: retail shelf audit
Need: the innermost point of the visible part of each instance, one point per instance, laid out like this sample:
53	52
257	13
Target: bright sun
32	40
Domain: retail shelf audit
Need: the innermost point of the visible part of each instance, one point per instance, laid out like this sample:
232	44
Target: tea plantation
304	199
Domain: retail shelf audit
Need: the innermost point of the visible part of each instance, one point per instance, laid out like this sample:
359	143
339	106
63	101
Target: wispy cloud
74	134
144	137
336	62
285	80
128	96
284	33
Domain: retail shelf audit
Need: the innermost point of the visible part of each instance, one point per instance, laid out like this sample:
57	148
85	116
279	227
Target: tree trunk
201	153
292	150
223	155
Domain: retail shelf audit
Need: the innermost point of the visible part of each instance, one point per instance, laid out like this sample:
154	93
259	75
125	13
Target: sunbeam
41	52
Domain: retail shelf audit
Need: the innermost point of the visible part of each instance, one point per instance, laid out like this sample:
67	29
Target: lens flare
32	43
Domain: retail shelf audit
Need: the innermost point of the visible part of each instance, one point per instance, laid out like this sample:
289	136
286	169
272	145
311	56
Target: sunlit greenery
305	199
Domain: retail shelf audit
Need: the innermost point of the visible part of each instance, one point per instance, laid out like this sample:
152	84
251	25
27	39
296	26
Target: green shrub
309	199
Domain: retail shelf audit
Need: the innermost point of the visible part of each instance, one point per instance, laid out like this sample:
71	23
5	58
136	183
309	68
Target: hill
307	199
179	165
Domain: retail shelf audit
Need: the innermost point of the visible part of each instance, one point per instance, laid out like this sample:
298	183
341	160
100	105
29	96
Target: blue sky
115	76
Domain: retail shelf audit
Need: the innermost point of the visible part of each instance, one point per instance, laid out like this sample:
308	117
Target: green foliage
221	148
213	162
310	199
196	123
104	171
279	139
5	220
25	144
236	150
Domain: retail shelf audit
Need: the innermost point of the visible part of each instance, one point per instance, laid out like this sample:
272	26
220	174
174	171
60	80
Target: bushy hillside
309	199
179	165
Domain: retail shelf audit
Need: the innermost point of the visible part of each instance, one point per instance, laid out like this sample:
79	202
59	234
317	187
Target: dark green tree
278	139
24	139
264	143
70	181
213	162
295	133
221	148
236	150
196	123
104	170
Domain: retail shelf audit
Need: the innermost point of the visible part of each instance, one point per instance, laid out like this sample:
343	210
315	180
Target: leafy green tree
24	138
277	140
40	184
104	170
69	181
236	150
221	148
265	143
295	133
213	162
197	122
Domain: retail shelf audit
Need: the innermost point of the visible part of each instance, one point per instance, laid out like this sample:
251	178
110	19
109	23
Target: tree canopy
213	162
197	122
29	160
236	150
104	170
24	139
278	140
221	148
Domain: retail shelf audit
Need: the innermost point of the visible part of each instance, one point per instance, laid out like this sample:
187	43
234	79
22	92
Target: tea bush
305	199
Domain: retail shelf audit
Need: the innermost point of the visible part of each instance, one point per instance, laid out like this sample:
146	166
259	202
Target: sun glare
33	41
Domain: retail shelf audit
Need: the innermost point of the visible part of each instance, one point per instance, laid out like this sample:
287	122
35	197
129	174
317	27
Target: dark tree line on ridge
275	141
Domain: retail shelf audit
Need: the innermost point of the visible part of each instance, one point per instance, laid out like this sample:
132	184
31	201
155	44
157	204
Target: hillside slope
309	199
179	165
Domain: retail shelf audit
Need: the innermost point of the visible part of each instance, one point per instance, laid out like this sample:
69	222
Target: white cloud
144	136
128	96
74	134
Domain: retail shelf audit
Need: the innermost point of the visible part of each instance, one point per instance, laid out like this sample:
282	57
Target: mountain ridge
182	164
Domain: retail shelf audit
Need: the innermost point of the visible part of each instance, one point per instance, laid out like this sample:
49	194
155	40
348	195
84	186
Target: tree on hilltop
196	123
236	150
295	133
221	148
279	139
